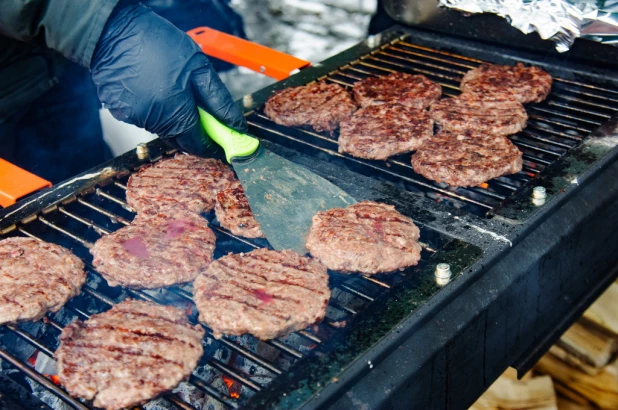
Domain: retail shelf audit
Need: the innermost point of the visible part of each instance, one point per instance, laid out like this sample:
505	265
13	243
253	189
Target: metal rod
586	102
487	192
178	402
561	124
356	292
309	336
42	380
570	117
196	381
442	60
105	212
419	70
592	87
535	137
377	282
114	199
31	340
335	304
517	141
71	235
534	159
87	222
235	375
120	185
437	67
553	132
577	109
444	53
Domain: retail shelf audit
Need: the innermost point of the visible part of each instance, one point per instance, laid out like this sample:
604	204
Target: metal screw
262	69
142	151
372	41
443	273
247	100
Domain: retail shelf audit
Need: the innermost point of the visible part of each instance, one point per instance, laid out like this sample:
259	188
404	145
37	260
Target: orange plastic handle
16	183
244	53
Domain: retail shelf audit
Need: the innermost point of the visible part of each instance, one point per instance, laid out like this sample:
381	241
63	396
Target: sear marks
381	131
185	181
129	354
366	237
466	159
413	91
524	84
468	113
156	250
234	214
265	293
320	105
35	278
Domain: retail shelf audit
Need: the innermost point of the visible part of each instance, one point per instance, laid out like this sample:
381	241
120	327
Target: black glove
151	74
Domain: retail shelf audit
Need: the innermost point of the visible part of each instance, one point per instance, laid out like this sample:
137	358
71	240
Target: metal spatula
283	196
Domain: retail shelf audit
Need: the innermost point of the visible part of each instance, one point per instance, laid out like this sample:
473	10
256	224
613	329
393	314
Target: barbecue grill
506	267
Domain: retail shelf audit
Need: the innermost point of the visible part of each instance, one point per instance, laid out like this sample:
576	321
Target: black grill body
522	271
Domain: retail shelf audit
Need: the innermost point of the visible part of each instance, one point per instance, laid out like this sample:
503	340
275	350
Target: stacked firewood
580	372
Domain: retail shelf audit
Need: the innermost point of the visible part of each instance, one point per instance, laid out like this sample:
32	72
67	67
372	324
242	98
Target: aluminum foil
560	21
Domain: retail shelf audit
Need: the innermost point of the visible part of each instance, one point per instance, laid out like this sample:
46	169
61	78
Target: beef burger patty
381	131
129	354
413	91
263	292
185	181
524	84
321	105
495	116
234	214
366	237
35	278
466	159
156	250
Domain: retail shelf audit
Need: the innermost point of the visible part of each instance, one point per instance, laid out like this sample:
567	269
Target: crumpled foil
560	21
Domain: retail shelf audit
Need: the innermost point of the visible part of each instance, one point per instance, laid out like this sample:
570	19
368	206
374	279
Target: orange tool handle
244	53
16	183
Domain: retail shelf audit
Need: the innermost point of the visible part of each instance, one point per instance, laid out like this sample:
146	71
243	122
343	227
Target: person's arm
71	27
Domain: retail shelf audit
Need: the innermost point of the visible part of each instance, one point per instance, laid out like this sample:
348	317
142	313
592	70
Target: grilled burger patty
413	91
320	105
129	354
381	131
234	214
156	250
185	181
263	292
366	237
495	116
35	278
524	84
466	159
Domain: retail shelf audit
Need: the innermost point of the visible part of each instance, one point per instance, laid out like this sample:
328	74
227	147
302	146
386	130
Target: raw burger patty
320	105
185	181
129	354
524	84
466	159
156	250
496	117
35	278
381	131
366	237
234	214
413	91
263	292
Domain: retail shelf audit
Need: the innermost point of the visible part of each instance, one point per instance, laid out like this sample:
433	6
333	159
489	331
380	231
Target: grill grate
233	368
570	113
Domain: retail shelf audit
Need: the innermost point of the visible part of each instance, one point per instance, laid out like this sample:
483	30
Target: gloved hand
151	74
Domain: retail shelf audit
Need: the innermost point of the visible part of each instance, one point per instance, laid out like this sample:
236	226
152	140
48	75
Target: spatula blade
285	196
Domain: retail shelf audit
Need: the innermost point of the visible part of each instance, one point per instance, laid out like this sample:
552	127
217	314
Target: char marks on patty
35	278
524	84
366	237
265	293
413	91
466	159
129	354
320	105
381	131
234	214
156	250
468	113
185	181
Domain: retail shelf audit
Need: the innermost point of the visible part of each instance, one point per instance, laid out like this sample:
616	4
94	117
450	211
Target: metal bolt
443	273
262	69
247	100
372	41
142	151
539	192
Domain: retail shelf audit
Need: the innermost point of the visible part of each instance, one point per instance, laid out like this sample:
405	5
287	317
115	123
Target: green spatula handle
233	142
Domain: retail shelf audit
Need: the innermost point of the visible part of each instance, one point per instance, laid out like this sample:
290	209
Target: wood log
536	393
590	345
574	361
566	393
602	389
604	312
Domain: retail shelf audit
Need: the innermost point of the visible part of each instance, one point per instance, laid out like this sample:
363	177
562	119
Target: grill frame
494	237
